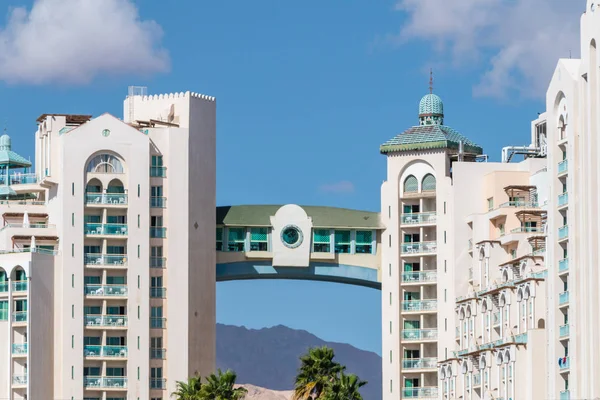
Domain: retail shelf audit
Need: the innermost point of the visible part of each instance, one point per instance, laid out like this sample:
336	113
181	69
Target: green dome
431	110
5	142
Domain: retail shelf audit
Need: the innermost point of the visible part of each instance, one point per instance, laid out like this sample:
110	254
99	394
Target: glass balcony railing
106	198
111	382
419	247
419	218
563	232
563	199
106	290
158	292
565	395
19	179
419	334
19	380
105	320
528	229
158	202
3	287
419	276
160	172
158	322
524	204
158	383
105	259
158	232
563	166
563	298
105	351
19	286
105	229
419	392
158	262
564	363
563	265
19	349
158	354
563	330
419	363
20	316
419	305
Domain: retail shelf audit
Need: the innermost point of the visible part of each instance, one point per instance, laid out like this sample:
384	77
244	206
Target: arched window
115	186
105	163
3	281
20	274
411	185
428	182
93	186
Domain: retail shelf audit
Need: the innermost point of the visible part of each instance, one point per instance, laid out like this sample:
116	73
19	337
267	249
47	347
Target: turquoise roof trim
7	191
9	157
426	137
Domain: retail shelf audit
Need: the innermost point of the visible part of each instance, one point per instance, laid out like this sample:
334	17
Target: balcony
564	363
418	218
105	290
19	179
19	286
158	383
419	305
158	323
160	172
563	265
105	320
105	260
528	229
105	229
4	287
563	232
419	248
158	202
105	351
158	232
565	395
158	292
563	199
20	316
563	331
112	382
158	354
419	363
519	204
419	334
106	199
420	393
563	167
419	276
19	380
19	349
563	298
158	262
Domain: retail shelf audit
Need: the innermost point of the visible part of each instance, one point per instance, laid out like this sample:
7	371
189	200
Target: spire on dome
430	80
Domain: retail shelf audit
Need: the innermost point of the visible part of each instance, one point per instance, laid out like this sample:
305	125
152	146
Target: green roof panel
425	137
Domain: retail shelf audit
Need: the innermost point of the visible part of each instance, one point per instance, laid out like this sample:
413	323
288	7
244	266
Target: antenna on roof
430	80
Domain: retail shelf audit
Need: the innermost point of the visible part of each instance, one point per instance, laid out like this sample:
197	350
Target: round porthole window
291	236
105	133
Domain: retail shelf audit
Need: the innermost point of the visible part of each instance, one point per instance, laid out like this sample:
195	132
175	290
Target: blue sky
306	91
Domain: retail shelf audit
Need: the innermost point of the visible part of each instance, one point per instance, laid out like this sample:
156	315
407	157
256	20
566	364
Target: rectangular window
4	310
342	242
72	280
390	327
445	266
390	298
389	211
138	342
157	199
259	239
446	324
390	269
138	312
321	241
156	318
73	311
445	295
219	239
139	218
138	281
236	239
390	240
73	189
157	168
72	341
139	190
72	249
72	219
444	236
364	242
72	372
490	203
444	208
156	227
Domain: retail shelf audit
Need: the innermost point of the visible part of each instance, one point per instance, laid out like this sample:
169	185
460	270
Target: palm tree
189	390
345	387
220	386
317	369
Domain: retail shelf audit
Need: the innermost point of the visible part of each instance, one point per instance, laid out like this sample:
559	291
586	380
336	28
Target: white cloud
73	41
338	187
518	42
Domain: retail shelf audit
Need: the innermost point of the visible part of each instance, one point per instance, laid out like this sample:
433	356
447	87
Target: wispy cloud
73	41
338	187
518	42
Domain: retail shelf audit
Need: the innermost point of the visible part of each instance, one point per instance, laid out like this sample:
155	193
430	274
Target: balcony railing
419	334
419	247
19	380
564	363
158	262
20	316
563	232
105	351
106	198
476	380
158	202
523	204
419	218
563	199
419	276
36	225
105	320
565	395
19	286
19	179
106	290
158	232
3	287
419	305
105	259
419	363
420	393
19	349
158	354
158	292
158	322
563	166
112	382
563	265
563	298
105	229
528	229
563	330
160	172
158	383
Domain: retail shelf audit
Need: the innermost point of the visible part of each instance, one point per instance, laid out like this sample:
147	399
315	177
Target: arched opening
411	184
428	183
115	186
484	306
541	324
505	276
105	164
19	274
3	282
520	294
93	186
561	128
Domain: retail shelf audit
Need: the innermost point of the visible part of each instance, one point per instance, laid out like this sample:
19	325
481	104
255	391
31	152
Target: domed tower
431	110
